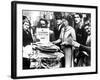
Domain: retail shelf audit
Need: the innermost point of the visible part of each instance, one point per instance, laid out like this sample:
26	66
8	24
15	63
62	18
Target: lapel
61	26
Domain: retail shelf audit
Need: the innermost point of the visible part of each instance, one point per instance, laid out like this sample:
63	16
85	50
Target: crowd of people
72	33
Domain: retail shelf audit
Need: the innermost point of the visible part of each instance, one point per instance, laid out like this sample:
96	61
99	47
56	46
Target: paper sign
43	34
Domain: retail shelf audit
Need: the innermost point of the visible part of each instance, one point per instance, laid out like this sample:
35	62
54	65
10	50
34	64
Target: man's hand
75	44
57	41
63	43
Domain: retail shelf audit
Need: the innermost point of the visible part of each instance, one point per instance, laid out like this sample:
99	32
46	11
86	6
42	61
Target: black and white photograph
54	39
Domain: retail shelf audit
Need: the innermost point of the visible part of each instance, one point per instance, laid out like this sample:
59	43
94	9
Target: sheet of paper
43	34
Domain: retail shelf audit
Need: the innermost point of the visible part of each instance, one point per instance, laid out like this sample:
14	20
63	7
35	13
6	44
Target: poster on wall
53	39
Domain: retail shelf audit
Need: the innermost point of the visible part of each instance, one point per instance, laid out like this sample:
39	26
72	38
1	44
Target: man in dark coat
27	40
81	35
59	26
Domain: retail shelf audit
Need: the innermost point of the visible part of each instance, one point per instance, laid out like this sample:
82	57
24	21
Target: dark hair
88	16
86	25
28	21
69	18
58	15
43	20
66	18
24	17
80	15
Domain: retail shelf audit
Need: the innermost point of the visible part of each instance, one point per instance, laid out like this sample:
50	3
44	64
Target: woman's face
26	25
65	23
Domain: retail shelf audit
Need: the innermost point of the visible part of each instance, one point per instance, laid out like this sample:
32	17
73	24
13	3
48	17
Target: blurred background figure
88	31
59	26
88	44
42	23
